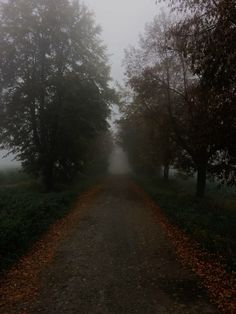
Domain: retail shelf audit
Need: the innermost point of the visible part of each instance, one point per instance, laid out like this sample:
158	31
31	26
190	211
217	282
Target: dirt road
118	260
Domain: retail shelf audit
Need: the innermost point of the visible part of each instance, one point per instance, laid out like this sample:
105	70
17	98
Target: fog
7	161
119	163
122	21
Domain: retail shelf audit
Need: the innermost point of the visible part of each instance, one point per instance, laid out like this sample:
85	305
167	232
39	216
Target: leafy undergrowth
210	221
219	283
20	285
26	213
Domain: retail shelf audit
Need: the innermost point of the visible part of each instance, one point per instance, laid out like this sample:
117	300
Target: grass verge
210	221
26	213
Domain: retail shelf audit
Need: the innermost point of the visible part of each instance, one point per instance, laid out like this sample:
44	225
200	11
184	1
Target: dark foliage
24	216
54	90
182	75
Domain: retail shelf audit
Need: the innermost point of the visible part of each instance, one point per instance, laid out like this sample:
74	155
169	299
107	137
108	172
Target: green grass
26	212
211	221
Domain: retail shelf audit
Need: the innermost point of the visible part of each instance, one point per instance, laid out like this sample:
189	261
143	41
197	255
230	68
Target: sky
122	21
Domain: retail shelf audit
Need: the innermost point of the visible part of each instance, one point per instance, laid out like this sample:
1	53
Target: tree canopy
183	75
54	85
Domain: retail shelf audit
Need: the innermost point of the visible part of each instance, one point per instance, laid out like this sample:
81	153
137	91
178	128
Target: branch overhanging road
116	259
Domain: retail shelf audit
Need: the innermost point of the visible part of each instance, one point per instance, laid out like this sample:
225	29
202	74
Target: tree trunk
48	178
166	172
201	180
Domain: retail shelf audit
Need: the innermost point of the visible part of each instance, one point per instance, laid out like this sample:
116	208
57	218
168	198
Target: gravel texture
118	260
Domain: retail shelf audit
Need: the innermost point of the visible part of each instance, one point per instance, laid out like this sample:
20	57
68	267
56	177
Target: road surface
117	260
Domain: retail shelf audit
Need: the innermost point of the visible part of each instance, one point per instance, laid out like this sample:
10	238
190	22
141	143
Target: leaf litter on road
20	285
220	284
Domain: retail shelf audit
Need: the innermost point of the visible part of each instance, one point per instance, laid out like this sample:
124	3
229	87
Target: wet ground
118	260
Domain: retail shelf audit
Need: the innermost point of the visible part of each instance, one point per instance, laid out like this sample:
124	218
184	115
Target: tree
150	97
162	75
54	90
209	31
138	136
142	64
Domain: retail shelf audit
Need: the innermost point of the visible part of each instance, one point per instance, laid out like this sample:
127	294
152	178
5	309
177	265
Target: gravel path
118	261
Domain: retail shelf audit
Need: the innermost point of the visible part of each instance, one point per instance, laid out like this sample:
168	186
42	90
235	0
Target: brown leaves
20	285
220	284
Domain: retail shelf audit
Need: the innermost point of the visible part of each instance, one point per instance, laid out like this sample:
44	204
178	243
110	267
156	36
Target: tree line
179	102
54	88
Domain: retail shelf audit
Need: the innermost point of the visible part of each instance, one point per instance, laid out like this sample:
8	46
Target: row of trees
182	103
54	87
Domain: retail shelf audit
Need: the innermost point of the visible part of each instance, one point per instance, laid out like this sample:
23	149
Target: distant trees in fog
182	77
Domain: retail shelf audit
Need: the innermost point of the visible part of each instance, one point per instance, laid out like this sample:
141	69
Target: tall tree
139	137
209	31
142	64
54	89
162	74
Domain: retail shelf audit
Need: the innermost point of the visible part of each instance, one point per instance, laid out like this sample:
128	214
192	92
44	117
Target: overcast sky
122	21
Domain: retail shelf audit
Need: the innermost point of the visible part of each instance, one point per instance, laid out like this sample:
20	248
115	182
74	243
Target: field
26	212
211	221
